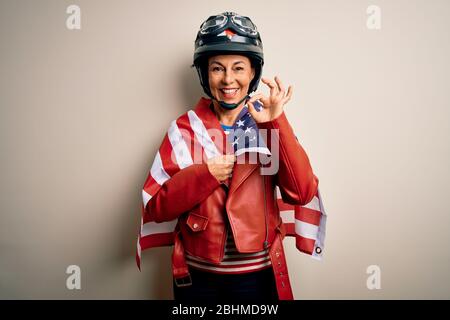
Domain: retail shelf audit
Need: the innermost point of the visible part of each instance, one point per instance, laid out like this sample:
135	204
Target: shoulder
193	114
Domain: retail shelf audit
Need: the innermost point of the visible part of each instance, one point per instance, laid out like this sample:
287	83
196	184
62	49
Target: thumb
251	108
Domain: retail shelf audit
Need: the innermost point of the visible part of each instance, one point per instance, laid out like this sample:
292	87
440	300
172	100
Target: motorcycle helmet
228	33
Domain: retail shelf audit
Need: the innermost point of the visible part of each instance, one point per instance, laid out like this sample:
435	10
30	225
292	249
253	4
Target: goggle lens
243	22
213	23
216	22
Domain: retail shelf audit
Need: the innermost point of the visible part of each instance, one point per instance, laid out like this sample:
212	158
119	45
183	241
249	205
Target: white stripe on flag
179	147
153	227
320	241
288	216
313	204
306	230
139	247
202	135
157	171
145	197
277	190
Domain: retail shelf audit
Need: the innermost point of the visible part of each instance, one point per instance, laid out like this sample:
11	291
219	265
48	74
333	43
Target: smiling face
229	77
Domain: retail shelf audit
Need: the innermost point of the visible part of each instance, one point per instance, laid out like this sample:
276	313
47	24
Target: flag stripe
288	216
145	197
157	171
168	160
305	229
153	227
307	215
157	240
202	135
313	204
179	147
304	244
283	205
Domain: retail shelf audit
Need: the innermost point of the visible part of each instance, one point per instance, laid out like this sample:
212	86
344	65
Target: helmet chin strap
231	106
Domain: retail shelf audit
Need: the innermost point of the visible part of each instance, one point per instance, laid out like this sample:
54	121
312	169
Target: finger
280	85
251	109
262	99
229	162
226	172
228	166
251	106
272	85
230	158
256	97
288	95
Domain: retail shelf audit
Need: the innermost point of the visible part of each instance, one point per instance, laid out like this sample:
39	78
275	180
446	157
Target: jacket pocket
196	222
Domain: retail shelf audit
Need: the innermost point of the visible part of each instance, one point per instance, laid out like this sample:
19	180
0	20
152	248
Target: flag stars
240	123
249	129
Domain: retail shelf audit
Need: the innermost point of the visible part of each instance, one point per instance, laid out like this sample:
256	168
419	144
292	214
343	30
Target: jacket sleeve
183	191
295	178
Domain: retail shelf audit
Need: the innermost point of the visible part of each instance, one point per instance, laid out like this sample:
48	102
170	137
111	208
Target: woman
228	230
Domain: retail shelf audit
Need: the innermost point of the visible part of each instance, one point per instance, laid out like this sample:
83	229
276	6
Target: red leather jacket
201	203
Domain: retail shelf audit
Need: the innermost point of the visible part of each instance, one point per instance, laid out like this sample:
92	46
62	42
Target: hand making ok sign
272	106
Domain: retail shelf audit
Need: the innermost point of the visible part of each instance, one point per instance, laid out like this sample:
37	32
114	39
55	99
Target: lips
229	93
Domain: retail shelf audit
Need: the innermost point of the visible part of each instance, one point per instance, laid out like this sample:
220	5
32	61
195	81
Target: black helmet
228	33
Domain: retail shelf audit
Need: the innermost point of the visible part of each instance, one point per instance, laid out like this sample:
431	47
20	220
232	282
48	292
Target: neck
227	117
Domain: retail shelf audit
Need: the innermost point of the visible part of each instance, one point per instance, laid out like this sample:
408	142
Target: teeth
229	90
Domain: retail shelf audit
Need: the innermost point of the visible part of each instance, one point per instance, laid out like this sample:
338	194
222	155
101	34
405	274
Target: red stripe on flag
216	133
157	240
290	229
194	146
145	216
189	137
150	185
304	244
308	215
167	158
283	206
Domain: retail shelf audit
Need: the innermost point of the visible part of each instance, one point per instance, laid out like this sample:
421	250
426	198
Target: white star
235	142
240	123
249	129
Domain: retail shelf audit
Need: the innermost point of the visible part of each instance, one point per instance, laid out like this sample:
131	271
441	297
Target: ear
253	72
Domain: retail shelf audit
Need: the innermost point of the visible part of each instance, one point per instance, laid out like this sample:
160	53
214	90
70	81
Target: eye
240	68
216	69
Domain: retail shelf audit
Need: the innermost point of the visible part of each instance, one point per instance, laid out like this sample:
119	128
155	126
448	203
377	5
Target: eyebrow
223	65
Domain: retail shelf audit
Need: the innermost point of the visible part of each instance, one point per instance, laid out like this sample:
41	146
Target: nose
228	77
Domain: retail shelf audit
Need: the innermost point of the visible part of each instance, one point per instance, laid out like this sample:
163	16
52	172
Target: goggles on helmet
218	23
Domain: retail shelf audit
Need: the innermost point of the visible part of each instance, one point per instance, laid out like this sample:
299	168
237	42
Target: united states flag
190	133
